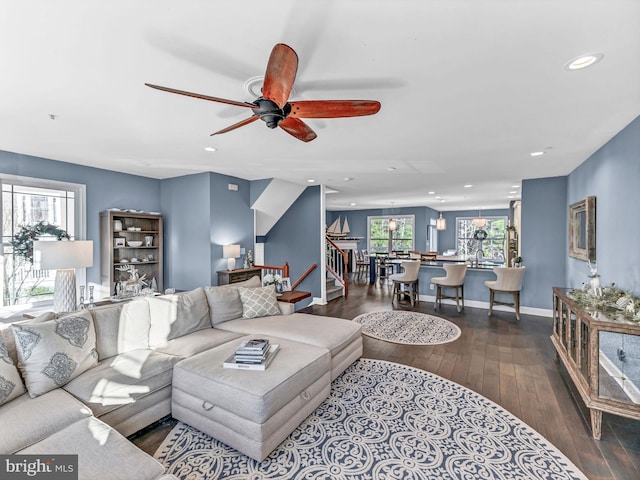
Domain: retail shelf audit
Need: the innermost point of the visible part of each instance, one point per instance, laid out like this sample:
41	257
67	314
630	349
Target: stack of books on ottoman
254	354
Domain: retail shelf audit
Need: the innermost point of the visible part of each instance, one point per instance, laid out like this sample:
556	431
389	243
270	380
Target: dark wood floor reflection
508	361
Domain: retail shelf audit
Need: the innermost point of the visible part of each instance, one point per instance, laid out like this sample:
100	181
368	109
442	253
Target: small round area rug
410	328
384	420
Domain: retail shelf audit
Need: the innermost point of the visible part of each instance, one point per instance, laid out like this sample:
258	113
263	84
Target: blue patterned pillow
11	385
259	302
52	353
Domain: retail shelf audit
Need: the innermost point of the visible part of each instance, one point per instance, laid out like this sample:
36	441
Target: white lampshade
441	223
392	224
231	252
56	255
63	256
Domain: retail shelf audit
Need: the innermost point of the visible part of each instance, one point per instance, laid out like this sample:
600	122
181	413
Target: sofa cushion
331	333
26	421
121	328
196	342
175	315
11	385
224	300
259	302
9	339
54	352
102	452
122	379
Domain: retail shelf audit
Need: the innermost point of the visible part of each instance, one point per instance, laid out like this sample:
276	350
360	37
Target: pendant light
441	223
392	223
479	222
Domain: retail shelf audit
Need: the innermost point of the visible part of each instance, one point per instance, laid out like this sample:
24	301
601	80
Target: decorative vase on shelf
117	226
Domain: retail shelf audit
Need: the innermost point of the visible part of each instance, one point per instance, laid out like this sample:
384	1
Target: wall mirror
582	229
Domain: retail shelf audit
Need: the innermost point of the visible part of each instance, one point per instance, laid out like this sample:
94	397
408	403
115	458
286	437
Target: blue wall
105	189
202	215
544	239
612	174
296	239
231	219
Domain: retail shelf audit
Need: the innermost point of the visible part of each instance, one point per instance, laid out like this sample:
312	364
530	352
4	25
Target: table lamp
231	252
64	257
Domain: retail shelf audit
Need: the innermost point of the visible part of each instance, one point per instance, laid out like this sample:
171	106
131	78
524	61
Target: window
25	203
493	246
381	240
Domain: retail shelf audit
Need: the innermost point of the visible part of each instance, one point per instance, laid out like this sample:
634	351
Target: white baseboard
317	301
540	312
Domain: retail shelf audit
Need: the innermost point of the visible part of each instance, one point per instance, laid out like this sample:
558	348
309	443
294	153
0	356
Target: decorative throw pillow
259	302
52	353
173	316
11	385
224	300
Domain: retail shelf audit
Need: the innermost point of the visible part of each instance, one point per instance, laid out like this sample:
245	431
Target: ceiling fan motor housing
269	111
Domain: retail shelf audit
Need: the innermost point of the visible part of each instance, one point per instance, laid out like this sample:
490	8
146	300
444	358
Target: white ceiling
468	89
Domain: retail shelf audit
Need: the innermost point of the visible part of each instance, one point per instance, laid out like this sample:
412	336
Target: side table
225	277
293	296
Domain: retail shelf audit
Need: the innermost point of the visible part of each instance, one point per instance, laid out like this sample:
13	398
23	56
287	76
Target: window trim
411	216
488	217
80	211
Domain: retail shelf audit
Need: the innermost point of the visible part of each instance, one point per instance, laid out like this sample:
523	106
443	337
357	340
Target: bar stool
508	280
384	269
454	279
409	279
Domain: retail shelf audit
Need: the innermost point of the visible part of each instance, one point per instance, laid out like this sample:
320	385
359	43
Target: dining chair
454	279
405	283
362	263
508	280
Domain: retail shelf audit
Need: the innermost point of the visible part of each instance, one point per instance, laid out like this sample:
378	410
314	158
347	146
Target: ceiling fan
274	108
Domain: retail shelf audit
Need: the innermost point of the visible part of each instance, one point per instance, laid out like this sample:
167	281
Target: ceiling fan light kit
274	108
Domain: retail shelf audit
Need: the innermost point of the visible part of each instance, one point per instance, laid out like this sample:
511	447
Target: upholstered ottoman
249	410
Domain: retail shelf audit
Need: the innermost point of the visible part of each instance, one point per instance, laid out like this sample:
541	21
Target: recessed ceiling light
348	179
391	169
438	197
442	201
210	149
536	154
431	193
353	204
513	192
583	61
311	180
468	186
515	186
510	196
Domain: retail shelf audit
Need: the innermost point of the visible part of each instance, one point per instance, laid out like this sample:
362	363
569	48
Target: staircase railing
303	276
338	264
282	270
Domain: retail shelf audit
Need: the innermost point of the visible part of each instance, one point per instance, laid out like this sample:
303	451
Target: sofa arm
286	308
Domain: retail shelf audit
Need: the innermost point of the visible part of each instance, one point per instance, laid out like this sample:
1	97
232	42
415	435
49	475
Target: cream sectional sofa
122	379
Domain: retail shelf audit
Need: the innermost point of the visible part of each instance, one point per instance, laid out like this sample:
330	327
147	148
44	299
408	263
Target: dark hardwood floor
510	362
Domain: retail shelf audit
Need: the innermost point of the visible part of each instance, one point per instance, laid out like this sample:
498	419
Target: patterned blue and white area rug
384	420
410	328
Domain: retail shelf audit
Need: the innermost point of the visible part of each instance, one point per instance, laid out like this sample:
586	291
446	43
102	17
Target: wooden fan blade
237	125
333	108
203	97
298	129
280	74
